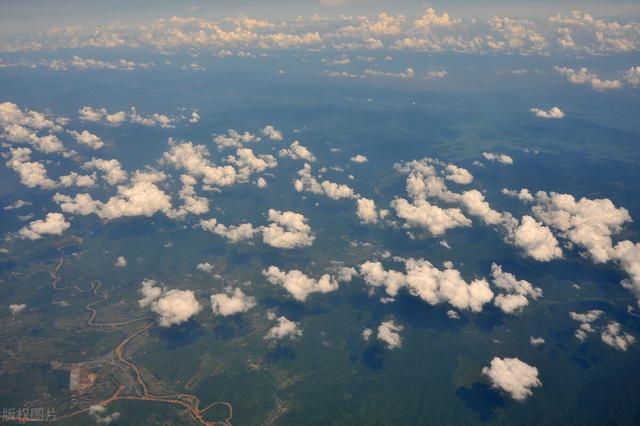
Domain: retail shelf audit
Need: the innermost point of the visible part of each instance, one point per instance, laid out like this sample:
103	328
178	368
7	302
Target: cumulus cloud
366	211
172	306
366	334
536	240
284	329
271	132
121	262
112	170
458	174
583	76
613	336
498	158
297	152
234	139
99	412
432	19
288	230
87	139
428	217
231	303
554	112
54	224
298	284
359	159
389	334
16	308
307	182
32	173
512	376
194	159
101	115
586	320
516	292
234	234
430	284
632	76
536	341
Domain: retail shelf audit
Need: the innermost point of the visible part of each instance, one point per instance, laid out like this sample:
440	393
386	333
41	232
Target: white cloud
359	159
75	179
234	234
536	341
632	76
430	284
195	160
271	132
16	308
516	291
32	173
175	307
536	240
367	211
86	138
613	336
586	320
499	158
285	329
307	182
111	169
513	376
231	303
121	262
458	175
432	19
366	334
99	412
428	217
297	152
234	139
298	284
288	230
54	224
554	112
582	76
388	333
101	115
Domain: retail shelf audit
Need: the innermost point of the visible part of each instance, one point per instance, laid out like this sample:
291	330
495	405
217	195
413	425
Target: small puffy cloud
613	336
297	152
234	234
512	376
16	308
586	320
231	303
498	158
554	112
273	134
583	76
536	240
367	211
632	76
261	182
523	195
195	117
284	329
516	292
234	139
99	412
288	230
432	19
451	314
359	159
298	284
366	334
307	182
75	179
32	173
195	160
54	224
536	341
428	217
175	307
205	267
87	139
121	262
458	175
430	284
172	306
389	334
111	169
